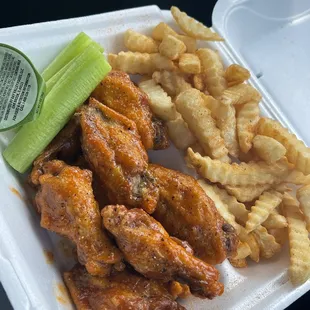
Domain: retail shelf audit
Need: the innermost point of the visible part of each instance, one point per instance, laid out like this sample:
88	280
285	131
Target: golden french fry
179	133
247	120
226	121
299	241
235	74
235	207
298	178
234	174
221	207
225	117
247	193
240	94
280	234
112	59
268	149
303	196
198	82
140	63
243	250
296	151
171	47
267	243
160	103
162	63
190	43
137	42
213	71
192	27
259	213
211	103
200	122
252	243
133	63
163	29
189	63
275	221
172	82
238	263
240	211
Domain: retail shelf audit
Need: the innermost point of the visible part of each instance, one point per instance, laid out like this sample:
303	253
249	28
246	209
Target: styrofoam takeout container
269	37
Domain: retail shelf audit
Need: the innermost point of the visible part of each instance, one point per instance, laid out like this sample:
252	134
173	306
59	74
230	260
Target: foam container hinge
32	283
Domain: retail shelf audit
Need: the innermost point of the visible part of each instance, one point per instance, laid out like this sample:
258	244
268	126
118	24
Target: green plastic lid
22	88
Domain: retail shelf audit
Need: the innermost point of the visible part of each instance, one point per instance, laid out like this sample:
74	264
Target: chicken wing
65	146
112	146
149	249
188	213
121	291
67	206
119	93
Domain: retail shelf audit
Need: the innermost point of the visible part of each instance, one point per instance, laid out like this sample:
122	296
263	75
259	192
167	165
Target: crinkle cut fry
140	63
299	241
172	82
239	210
163	29
213	71
296	151
240	94
234	174
247	120
235	74
199	120
267	243
192	27
266	203
225	117
160	103
137	42
303	196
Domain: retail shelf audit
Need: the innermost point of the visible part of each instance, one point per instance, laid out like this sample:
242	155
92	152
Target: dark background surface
18	12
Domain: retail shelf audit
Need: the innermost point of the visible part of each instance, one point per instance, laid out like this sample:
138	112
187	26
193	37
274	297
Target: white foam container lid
269	37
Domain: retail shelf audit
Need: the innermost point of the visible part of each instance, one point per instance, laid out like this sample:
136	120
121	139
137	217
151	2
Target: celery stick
69	92
73	49
54	79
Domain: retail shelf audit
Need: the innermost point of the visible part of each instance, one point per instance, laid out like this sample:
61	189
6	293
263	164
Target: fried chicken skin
67	206
121	291
112	146
188	213
149	249
119	93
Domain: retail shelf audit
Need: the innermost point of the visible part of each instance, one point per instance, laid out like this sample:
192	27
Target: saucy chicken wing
119	93
66	202
188	213
112	147
149	249
121	291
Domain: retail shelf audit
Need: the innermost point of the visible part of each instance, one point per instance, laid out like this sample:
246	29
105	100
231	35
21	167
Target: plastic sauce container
21	88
